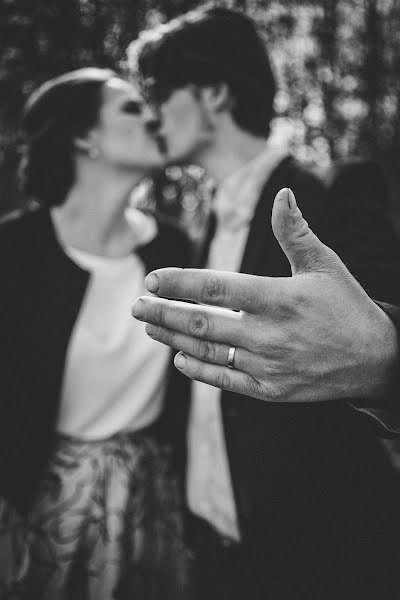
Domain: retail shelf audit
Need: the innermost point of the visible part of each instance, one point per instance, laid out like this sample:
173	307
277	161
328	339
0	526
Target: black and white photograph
199	300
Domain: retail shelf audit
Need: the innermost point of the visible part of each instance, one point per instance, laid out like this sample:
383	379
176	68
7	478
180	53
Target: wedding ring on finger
231	357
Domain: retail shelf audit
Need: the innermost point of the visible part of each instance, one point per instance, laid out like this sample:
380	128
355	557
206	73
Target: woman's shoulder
22	231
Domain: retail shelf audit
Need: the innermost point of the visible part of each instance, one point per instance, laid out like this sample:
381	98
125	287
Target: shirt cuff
386	420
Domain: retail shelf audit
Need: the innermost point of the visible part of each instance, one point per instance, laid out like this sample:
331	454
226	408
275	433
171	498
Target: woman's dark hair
208	46
59	111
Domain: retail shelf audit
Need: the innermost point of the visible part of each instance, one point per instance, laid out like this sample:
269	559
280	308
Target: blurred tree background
337	61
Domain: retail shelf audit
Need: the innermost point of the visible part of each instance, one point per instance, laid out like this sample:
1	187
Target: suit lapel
260	234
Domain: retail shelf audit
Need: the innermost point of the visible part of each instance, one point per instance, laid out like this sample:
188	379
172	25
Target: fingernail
137	309
291	200
151	330
152	283
180	360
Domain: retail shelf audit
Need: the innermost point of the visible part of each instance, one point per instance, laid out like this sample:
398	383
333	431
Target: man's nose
151	118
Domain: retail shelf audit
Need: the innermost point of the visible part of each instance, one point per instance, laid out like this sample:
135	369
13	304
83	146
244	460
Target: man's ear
217	97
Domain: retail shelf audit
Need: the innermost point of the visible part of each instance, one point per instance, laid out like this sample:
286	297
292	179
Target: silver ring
231	357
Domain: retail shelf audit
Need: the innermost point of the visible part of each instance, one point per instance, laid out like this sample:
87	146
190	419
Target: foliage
337	61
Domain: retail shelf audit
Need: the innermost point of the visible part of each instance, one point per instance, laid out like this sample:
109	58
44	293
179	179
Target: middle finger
205	322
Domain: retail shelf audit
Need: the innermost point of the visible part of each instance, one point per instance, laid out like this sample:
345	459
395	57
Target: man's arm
315	336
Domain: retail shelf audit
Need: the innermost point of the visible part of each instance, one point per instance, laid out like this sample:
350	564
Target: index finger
237	291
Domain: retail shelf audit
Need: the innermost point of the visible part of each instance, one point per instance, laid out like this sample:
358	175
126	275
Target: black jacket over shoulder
318	500
41	295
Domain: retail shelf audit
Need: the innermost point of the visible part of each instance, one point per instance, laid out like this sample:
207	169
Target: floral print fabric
107	525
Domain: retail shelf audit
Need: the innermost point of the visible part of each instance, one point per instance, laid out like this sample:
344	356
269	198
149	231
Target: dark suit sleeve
387	420
353	220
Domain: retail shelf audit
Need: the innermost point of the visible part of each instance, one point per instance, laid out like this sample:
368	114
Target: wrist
382	361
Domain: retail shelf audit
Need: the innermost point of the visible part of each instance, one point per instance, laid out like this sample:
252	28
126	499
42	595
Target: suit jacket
317	497
41	295
360	227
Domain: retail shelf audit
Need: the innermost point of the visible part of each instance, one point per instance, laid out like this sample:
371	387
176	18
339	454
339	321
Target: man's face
185	126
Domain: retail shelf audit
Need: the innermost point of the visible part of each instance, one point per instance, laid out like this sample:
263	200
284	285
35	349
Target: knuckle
213	289
159	314
302	300
223	380
256	300
260	347
285	309
277	347
206	351
198	324
196	371
166	336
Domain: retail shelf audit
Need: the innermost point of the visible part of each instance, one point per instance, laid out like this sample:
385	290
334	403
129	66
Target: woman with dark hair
81	387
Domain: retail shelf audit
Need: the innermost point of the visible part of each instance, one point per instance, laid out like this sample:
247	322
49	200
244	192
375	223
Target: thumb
303	249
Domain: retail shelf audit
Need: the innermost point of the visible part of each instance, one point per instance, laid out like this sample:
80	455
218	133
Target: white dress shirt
209	486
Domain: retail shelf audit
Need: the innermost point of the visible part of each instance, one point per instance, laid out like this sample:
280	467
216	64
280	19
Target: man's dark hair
59	111
208	46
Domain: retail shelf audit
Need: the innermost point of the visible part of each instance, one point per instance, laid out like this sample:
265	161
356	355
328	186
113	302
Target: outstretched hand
310	337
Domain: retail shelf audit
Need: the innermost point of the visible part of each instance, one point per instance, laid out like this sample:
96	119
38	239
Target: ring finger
211	352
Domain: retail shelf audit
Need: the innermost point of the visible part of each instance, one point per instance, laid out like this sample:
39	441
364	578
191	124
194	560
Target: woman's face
121	136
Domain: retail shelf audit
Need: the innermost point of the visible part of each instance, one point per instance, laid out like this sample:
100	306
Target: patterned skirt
108	524
14	553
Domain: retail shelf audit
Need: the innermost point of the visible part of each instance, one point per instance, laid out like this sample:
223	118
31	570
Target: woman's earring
94	153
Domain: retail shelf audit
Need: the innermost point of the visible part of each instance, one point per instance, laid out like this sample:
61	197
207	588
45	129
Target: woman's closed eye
133	107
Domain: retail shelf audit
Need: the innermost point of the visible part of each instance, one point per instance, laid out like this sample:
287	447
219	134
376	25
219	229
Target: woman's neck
92	218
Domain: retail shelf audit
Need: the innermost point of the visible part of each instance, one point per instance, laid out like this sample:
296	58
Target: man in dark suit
285	500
